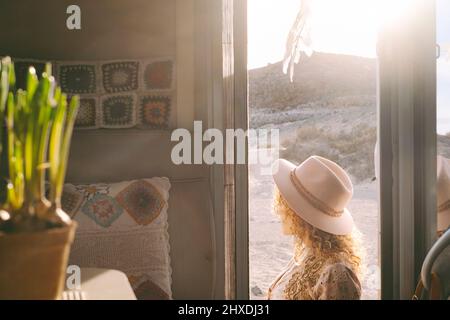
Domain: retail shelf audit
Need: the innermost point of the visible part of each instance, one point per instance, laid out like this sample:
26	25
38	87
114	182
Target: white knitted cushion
124	226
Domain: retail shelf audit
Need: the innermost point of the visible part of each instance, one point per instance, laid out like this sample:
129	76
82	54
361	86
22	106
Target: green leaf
65	147
4	82
56	137
32	83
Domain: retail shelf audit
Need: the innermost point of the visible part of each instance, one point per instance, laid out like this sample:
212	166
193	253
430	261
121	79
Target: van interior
182	109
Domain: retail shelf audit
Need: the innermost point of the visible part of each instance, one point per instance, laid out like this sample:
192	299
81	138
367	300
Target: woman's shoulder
338	281
338	267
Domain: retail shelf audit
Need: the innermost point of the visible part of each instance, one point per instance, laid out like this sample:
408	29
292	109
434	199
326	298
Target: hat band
315	202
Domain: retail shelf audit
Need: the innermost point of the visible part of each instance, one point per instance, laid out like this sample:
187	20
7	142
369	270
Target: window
406	135
443	77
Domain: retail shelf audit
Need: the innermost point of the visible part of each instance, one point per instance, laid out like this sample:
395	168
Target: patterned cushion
123	226
103	209
142	201
71	200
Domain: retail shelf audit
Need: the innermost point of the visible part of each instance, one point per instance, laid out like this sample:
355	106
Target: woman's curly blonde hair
322	243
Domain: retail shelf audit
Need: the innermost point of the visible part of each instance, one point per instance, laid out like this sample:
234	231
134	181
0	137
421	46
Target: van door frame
235	112
407	140
406	134
228	110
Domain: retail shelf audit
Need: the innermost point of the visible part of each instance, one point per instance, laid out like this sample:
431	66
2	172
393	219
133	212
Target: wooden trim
185	63
216	120
235	97
229	169
209	110
426	148
241	122
385	180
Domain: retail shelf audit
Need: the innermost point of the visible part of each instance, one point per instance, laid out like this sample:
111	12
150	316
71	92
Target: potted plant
35	233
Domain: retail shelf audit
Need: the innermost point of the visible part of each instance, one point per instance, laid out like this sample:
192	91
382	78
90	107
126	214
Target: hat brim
342	225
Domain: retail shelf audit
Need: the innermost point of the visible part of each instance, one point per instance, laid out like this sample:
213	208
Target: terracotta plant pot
33	265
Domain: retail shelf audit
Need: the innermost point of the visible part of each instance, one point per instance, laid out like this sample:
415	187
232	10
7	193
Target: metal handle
441	244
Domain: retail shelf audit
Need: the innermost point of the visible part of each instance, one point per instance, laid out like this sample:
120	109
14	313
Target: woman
311	201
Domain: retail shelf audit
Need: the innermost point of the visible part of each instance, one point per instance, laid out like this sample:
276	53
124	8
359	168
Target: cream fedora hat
319	191
443	193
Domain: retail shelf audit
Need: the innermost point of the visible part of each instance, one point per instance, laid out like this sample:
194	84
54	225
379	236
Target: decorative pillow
124	226
115	94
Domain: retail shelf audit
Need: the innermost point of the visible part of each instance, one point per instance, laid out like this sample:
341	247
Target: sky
344	26
443	67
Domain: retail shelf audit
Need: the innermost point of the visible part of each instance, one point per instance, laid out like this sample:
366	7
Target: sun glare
338	26
345	26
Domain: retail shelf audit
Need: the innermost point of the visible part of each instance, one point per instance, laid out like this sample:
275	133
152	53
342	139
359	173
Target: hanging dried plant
299	39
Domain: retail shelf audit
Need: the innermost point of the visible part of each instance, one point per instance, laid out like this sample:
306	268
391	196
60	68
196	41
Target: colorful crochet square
87	113
155	112
21	70
90	191
120	76
78	78
71	201
103	209
142	201
119	111
158	75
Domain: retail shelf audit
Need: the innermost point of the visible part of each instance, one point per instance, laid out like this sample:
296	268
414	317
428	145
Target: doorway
325	105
